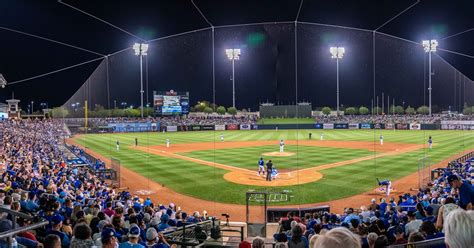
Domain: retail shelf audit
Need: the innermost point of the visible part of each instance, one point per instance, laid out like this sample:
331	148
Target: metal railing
16	230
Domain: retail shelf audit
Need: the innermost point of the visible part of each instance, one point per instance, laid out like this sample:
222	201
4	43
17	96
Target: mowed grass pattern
206	182
305	156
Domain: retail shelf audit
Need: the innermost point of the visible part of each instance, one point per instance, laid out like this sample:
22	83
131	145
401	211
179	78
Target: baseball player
117	145
222	137
310	135
381	139
269	170
167	143
321	136
388	185
136	141
261	167
274	173
430	142
282	145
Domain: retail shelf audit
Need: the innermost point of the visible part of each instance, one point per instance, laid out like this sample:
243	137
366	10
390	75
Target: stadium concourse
81	210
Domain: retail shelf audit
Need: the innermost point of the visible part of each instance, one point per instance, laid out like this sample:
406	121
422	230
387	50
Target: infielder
388	185
261	167
282	145
430	142
167	143
117	144
381	139
222	137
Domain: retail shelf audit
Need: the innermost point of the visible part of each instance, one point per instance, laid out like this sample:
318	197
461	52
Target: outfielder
381	139
222	137
117	144
261	167
321	136
430	142
167	143
282	145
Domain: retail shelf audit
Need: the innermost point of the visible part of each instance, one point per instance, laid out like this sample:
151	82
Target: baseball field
346	163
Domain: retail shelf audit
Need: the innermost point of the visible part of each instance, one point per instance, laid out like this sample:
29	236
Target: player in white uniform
282	145
321	136
167	143
381	139
222	137
117	144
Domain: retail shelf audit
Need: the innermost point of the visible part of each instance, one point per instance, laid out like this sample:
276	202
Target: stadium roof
38	37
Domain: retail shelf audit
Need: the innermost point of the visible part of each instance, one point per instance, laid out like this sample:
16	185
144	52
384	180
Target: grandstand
236	124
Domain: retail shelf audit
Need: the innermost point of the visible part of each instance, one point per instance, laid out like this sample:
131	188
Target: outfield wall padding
286	111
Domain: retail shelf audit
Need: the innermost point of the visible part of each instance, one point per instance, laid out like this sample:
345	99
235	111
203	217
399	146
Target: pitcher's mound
278	154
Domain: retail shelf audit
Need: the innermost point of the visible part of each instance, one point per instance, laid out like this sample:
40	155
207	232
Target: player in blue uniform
430	142
261	167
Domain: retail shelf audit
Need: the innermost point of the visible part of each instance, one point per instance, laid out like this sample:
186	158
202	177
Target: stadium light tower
429	46
141	49
233	54
337	53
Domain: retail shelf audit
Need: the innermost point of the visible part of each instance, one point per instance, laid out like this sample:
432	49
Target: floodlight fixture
3	81
337	52
140	49
233	54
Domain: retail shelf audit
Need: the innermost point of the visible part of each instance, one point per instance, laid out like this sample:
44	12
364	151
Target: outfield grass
285	121
206	182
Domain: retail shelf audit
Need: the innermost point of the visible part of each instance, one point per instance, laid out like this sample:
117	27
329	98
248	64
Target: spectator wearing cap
133	238
52	241
57	223
108	238
155	239
100	227
82	236
339	237
466	192
429	215
413	225
164	223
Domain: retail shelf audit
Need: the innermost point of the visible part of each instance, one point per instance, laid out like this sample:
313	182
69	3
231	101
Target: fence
16	230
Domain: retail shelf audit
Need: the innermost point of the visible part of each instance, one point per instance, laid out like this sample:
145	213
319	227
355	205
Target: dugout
285	111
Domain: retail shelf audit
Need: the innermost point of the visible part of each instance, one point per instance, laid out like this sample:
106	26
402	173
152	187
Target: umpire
269	170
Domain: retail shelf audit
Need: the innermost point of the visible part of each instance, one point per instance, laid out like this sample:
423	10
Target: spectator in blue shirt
57	222
133	238
466	192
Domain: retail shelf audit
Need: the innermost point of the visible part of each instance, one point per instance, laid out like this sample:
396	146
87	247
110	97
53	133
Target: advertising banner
195	128
207	127
133	127
318	126
415	126
183	128
328	126
353	125
245	127
219	127
430	126
402	126
365	126
379	126
341	126
232	127
389	126
171	128
255	127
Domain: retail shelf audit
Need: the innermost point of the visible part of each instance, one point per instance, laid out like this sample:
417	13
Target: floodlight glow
233	54
429	45
337	52
140	49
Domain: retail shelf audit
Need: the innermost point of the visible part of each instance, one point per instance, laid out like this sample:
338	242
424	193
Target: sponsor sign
328	126
232	127
415	126
255	127
195	128
245	127
134	127
207	127
219	127
379	126
341	126
183	128
365	126
353	125
389	126
318	126
402	126
171	128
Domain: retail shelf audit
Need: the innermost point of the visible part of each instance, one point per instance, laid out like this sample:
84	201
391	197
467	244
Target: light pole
429	46
141	50
337	53
32	103
233	54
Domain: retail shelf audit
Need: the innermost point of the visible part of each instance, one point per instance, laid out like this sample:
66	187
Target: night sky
266	70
